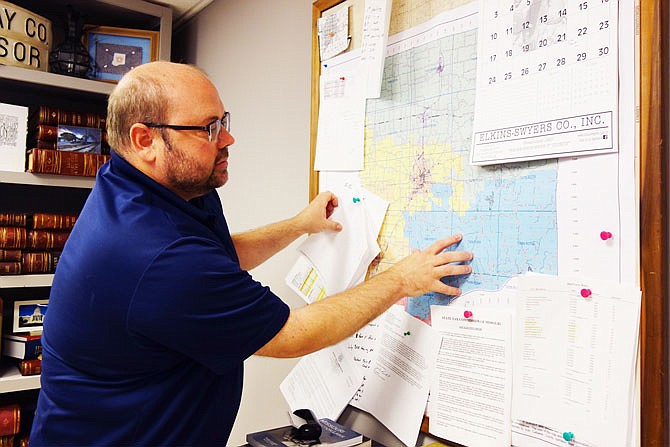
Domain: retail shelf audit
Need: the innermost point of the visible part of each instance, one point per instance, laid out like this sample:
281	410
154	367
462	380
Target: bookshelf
29	193
27	178
12	381
53	81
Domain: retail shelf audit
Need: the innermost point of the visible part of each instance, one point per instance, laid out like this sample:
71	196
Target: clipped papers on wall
574	365
305	280
340	134
333	32
323	381
341	259
471	392
373	48
401	369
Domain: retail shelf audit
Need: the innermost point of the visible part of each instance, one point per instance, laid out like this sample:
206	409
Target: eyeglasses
213	129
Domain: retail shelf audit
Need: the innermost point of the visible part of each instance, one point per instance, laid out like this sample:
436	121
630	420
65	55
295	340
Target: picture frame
115	51
79	139
28	315
13	131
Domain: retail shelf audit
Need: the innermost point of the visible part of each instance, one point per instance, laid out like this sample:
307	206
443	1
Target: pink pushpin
604	235
585	293
467	314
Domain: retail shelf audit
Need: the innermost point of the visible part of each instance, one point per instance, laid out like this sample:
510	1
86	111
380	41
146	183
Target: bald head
147	93
162	72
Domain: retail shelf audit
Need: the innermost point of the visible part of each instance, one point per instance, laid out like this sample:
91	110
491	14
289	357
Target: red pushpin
585	293
604	235
467	314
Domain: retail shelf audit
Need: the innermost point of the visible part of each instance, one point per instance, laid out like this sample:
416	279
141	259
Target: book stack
66	142
31	243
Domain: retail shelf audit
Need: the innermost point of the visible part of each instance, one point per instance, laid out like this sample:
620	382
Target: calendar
547	80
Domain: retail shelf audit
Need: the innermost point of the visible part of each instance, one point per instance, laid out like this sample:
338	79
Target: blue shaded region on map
511	229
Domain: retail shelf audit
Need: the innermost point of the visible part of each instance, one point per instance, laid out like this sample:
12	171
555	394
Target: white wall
258	54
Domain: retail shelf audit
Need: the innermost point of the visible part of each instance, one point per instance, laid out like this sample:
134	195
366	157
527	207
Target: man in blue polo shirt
152	311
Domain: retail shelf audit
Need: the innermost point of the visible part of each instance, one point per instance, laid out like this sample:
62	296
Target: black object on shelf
71	57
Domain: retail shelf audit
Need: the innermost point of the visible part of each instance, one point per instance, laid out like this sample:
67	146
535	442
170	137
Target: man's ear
143	142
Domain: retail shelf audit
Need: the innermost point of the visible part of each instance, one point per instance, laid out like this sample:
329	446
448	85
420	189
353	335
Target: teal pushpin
568	436
356	200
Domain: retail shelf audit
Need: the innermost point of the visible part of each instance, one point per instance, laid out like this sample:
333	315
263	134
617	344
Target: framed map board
649	266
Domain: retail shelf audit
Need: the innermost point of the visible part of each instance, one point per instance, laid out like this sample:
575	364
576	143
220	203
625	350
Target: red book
51	221
13	237
55	115
13	219
47	133
48	161
47	239
41	144
39	262
10	255
10	419
30	367
10	268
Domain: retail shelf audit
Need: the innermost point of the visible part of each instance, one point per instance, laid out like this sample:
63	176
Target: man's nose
225	139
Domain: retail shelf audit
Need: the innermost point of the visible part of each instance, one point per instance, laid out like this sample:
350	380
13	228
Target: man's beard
183	174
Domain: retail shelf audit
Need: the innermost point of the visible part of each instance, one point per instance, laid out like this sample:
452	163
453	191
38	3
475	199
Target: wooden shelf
27	178
11	380
37	280
52	80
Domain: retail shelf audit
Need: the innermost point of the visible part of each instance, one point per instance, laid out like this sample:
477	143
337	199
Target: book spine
264	439
13	219
10	419
13	237
10	255
47	239
55	115
46	161
50	221
30	367
40	144
47	133
10	268
39	262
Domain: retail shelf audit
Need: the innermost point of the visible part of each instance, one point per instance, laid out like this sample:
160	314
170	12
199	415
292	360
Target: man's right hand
421	271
